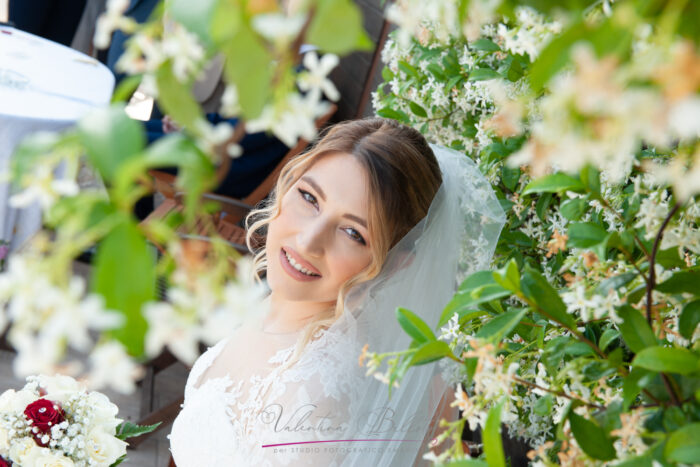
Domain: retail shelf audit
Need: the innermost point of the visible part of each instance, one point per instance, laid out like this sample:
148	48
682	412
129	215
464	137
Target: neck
289	316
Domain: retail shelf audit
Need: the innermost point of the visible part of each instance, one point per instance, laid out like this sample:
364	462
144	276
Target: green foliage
554	183
493	445
110	138
591	437
668	359
683	445
337	28
635	330
127	430
566	300
253	81
414	326
175	98
124	274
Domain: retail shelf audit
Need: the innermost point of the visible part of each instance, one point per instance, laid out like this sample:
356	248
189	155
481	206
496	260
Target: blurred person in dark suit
55	20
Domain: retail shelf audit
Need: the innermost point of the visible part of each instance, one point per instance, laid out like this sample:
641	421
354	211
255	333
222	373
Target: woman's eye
308	197
355	235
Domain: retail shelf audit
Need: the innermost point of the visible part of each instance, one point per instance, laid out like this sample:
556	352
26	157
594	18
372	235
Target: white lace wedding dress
258	413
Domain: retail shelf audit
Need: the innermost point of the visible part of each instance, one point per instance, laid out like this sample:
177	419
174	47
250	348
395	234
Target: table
44	86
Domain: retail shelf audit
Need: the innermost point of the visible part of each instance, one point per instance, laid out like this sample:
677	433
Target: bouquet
55	421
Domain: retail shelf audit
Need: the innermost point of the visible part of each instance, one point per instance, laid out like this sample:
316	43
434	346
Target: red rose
44	414
4	463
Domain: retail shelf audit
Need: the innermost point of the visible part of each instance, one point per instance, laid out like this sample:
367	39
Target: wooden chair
227	222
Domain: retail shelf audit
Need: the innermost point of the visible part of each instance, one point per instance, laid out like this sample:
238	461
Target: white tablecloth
44	86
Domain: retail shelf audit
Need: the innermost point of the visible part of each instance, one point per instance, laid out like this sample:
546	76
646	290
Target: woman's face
320	238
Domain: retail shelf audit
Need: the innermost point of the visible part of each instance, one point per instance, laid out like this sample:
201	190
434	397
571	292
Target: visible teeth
298	266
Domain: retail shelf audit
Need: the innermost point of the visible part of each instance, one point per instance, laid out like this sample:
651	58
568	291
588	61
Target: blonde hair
403	177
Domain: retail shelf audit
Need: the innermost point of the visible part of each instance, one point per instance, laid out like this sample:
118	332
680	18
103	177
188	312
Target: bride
366	221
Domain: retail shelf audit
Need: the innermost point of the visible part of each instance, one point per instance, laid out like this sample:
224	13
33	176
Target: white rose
104	412
103	448
12	401
4	442
59	388
52	459
25	451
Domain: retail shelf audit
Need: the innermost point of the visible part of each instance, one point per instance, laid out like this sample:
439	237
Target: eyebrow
320	192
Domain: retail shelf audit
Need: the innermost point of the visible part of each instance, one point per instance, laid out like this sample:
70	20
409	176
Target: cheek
350	264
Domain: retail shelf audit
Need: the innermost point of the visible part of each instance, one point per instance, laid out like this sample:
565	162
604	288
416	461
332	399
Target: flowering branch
652	259
557	393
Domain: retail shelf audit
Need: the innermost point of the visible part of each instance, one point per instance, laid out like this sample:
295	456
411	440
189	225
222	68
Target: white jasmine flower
184	48
41	186
111	20
168	327
230	106
111	366
294	119
279	28
314	78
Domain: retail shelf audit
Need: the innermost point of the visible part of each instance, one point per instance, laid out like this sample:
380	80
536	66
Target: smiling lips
297	267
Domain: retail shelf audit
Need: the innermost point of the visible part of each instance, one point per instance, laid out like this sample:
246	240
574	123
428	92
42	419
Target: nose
313	237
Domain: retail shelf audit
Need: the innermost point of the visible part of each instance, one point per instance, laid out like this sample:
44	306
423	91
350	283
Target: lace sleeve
201	365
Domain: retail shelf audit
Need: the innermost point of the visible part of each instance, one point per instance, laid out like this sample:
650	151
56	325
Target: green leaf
124	274
590	177
254	80
469	300
554	183
689	319
119	461
467	463
591	437
510	176
635	330
585	234
682	282
485	44
417	109
409	69
126	430
631	387
500	326
110	138
414	326
540	291
684	445
437	71
508	276
337	28
493	444
393	114
483	74
555	55
543	406
195	16
542	205
615	282
125	89
429	352
608	336
195	169
226	21
668	360
573	209
175	97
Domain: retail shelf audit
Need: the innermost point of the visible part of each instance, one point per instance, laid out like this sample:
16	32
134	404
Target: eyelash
352	233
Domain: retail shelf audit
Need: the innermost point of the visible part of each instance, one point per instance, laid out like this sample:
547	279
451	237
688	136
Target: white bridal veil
354	421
